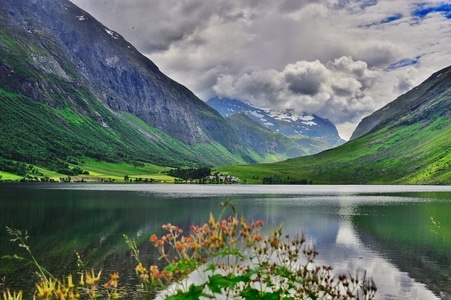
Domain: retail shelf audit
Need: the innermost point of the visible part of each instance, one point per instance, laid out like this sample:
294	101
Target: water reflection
329	222
404	234
393	283
378	230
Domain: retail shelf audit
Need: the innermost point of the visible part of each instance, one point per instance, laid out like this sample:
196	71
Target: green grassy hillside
34	133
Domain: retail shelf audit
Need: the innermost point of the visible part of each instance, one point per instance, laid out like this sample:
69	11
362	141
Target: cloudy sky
339	59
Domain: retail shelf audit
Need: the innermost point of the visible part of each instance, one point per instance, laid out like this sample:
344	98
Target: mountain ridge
313	133
412	102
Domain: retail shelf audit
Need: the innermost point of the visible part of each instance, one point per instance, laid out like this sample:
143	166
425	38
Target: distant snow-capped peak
291	116
288	122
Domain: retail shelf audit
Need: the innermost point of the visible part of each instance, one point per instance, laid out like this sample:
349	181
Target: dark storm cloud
304	80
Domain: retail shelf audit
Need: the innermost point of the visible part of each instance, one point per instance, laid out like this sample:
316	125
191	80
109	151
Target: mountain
422	104
262	141
406	142
317	133
70	87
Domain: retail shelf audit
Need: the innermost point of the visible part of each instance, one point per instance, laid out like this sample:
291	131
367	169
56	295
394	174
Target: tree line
190	173
276	179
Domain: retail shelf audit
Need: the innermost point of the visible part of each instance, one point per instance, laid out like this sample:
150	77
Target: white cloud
337	90
405	81
340	59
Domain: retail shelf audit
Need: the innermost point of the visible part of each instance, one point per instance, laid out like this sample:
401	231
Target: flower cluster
208	240
235	259
88	285
49	287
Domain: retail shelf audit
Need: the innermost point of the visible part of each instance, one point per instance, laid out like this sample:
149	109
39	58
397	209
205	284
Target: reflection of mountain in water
414	237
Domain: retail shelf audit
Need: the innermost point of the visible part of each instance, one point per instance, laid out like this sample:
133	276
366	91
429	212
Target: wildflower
180	246
70	282
153	238
46	288
82	280
91	279
240	241
154	272
259	223
8	296
140	269
113	282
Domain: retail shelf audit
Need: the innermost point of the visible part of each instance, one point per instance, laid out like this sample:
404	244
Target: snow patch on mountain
306	119
112	33
256	114
289	122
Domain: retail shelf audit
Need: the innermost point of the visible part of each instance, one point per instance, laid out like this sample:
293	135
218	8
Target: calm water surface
401	235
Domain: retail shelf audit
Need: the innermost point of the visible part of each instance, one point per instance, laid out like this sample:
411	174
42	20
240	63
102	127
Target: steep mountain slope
411	145
421	103
265	143
308	126
71	87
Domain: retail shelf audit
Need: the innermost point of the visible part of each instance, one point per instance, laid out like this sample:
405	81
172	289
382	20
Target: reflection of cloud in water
346	236
349	254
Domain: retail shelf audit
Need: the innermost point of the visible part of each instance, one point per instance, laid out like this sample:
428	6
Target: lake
401	235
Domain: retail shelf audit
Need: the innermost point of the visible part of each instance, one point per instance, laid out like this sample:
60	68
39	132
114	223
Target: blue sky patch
404	63
423	9
368	3
384	21
391	18
342	4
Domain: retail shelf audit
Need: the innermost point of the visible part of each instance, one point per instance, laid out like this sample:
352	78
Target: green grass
121	169
5	176
117	171
98	171
70	116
